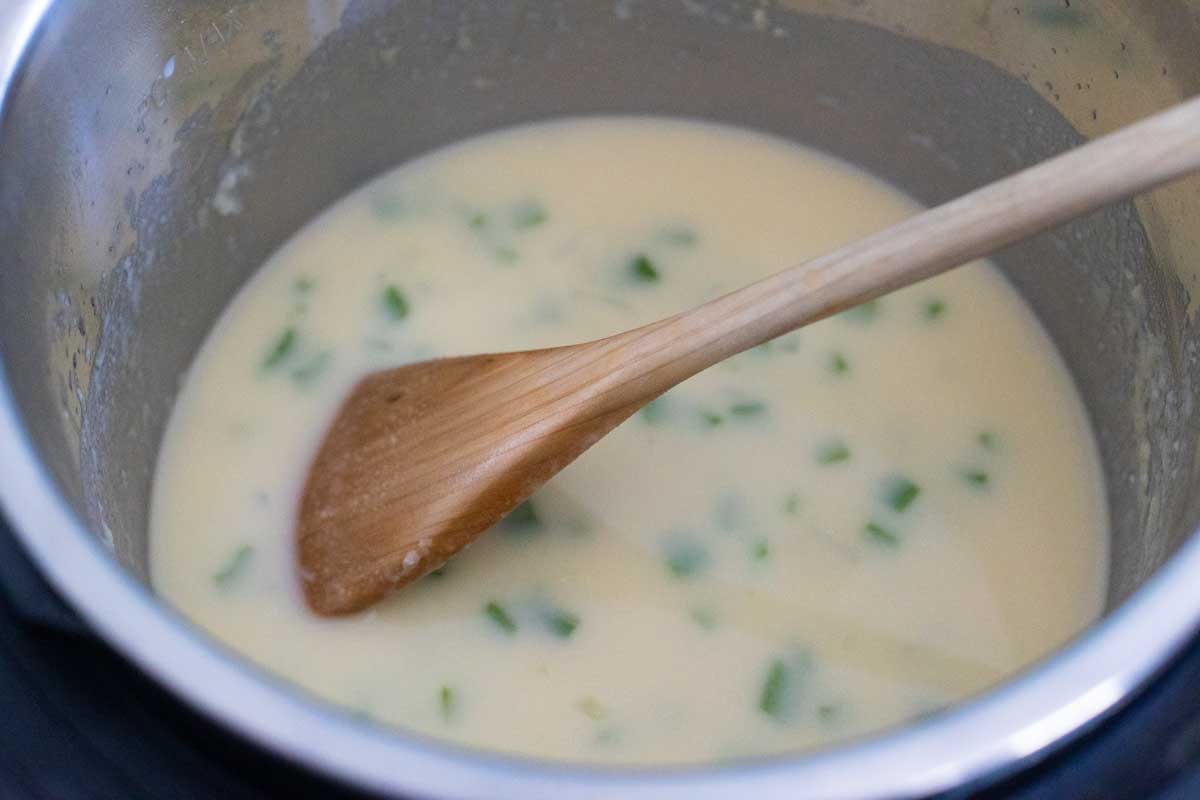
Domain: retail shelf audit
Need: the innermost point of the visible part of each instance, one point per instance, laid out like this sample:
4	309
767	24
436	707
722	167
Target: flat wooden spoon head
423	459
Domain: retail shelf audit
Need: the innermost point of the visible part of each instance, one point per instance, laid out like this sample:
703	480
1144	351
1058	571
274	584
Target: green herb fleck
477	221
706	618
440	572
561	623
833	452
711	419
506	255
686	558
791	504
731	511
592	708
881	535
396	302
311	369
751	408
642	269
935	309
282	348
528	214
838	364
233	569
899	492
830	713
388	207
988	441
679	235
303	285
498	615
976	478
865	312
655	412
762	549
522	520
770	700
446	700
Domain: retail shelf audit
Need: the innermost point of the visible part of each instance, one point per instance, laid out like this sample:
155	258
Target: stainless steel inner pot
154	153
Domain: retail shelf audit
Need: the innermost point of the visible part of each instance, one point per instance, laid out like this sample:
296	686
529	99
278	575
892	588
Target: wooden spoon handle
1153	151
481	433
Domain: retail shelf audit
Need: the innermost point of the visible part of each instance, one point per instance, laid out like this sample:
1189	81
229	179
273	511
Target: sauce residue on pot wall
847	527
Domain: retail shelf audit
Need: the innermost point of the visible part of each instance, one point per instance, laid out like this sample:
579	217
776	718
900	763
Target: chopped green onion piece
706	618
748	409
762	549
730	511
976	478
838	364
303	284
899	492
987	440
388	207
865	312
679	235
592	708
770	700
791	503
686	558
446	700
829	712
395	302
234	568
522	520
528	214
655	411
834	452
440	572
643	269
498	615
310	370
561	623
882	535
281	349
506	255
477	220
935	309
711	419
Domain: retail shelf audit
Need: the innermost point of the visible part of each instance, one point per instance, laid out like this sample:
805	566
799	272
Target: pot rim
984	737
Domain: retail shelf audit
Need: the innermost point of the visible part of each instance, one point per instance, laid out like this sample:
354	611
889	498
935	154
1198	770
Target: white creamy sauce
852	525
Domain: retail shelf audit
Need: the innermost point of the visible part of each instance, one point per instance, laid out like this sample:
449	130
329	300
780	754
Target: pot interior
152	164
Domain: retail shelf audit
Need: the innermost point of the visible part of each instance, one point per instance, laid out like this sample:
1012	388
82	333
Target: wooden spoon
424	458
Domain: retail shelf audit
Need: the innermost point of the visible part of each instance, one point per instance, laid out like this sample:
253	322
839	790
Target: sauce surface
847	527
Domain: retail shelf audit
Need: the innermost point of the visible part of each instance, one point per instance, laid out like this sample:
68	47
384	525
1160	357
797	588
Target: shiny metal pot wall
153	153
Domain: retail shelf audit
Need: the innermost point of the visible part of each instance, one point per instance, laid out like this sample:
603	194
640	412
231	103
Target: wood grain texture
424	458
